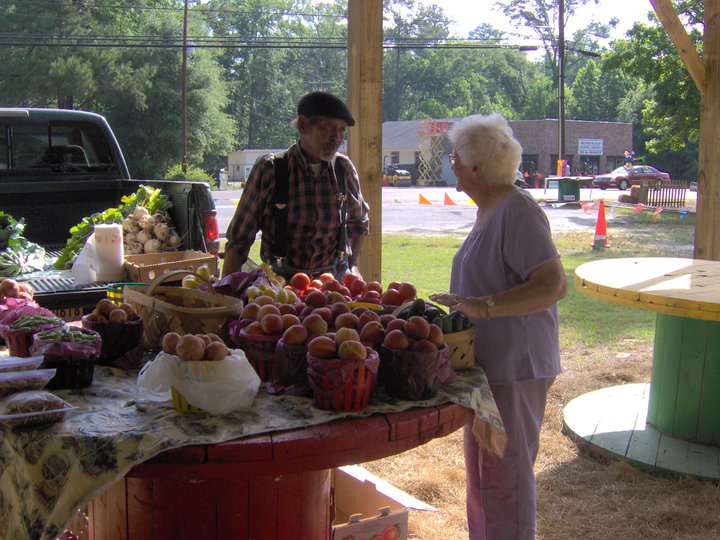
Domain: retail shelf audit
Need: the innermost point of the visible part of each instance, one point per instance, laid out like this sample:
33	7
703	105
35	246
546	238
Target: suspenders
279	208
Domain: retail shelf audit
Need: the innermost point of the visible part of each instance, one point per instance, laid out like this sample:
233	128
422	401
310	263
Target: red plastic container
259	349
19	341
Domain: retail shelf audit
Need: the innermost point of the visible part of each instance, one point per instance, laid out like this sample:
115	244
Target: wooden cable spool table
271	486
684	390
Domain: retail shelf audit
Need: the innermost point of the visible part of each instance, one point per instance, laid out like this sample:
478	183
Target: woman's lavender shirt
500	255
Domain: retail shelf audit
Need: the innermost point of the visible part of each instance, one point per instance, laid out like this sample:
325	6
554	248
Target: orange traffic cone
423	200
601	239
448	200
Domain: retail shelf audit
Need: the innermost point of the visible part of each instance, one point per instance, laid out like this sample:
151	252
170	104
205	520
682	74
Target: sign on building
590	147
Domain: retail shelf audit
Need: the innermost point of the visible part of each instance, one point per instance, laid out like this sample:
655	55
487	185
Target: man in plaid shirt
327	217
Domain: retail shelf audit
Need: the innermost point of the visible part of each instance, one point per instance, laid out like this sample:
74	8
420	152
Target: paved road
450	212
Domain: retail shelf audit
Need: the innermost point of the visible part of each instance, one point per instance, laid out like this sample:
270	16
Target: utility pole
561	79
184	161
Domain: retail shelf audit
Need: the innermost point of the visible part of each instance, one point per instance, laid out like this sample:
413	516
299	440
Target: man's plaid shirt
313	211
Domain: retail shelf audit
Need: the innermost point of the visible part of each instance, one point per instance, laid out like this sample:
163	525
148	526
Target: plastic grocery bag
216	387
85	267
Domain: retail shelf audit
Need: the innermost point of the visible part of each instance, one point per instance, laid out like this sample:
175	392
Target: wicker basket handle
172	273
398	309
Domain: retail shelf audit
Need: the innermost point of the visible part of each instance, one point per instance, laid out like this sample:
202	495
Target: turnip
161	231
152	246
139	212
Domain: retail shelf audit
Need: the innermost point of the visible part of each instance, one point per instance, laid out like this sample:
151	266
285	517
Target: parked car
520	180
623	178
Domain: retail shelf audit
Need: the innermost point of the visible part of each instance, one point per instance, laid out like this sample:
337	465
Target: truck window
3	150
57	148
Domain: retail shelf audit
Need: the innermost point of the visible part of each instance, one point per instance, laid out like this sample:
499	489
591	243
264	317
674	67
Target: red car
623	178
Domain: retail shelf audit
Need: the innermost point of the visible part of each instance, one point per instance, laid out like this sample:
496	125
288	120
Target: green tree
596	95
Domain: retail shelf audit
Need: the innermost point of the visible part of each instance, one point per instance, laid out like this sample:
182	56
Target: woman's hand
473	308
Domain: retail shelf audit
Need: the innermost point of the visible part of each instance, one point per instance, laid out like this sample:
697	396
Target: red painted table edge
324	446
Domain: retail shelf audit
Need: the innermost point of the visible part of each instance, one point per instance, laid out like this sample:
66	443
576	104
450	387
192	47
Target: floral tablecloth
47	472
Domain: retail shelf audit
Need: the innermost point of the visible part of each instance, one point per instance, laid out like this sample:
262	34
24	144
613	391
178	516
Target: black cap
324	104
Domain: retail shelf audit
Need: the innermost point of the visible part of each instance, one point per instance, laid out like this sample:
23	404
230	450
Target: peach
436	335
339	308
366	317
417	327
396	339
335	297
316	299
264	299
216	351
190	348
424	346
307	310
289	320
272	324
371	296
346	320
346	334
169	342
296	334
315	324
373	332
332	286
250	311
344	291
325	313
396	324
315	284
322	347
385	318
353	351
253	329
287	309
326	276
266	309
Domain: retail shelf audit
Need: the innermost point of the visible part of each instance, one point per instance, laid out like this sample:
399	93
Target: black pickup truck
58	166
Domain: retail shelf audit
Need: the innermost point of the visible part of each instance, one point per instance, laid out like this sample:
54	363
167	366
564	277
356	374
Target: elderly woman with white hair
507	278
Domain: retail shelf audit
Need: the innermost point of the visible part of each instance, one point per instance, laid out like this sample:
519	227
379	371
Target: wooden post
365	54
707	225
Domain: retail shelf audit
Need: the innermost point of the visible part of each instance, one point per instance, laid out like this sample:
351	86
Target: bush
193	174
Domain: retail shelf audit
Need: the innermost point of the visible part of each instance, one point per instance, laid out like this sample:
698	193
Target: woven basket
462	348
180	309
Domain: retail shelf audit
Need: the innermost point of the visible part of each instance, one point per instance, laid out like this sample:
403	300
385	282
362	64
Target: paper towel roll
110	252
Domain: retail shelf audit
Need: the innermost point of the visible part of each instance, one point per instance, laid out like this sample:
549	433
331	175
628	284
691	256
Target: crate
366	506
145	268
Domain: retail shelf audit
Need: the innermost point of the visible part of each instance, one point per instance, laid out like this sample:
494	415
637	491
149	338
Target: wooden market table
270	486
683	398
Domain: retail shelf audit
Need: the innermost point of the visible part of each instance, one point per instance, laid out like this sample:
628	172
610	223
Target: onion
139	212
152	246
130	225
161	231
143	237
174	239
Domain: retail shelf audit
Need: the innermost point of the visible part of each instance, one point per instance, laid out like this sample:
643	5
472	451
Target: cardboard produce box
145	268
368	507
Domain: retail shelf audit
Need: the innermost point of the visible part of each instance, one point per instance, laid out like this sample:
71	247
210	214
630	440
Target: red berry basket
342	385
259	349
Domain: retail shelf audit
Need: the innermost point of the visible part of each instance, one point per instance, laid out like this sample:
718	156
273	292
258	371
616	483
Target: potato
132	313
105	307
118	316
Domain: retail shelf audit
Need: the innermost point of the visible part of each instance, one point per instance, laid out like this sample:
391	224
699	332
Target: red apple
357	287
391	297
300	281
373	286
347	279
407	291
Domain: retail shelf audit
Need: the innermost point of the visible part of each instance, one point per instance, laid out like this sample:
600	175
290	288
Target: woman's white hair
487	141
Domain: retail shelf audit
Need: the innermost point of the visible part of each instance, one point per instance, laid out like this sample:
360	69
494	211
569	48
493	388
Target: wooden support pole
365	35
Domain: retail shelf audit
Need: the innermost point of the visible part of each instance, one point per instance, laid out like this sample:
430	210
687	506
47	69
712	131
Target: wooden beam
365	36
707	225
684	45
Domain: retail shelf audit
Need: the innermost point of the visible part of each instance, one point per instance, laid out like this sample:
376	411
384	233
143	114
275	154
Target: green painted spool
685	380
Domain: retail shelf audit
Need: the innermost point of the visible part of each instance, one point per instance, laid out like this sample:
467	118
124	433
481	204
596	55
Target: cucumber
417	308
447	325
